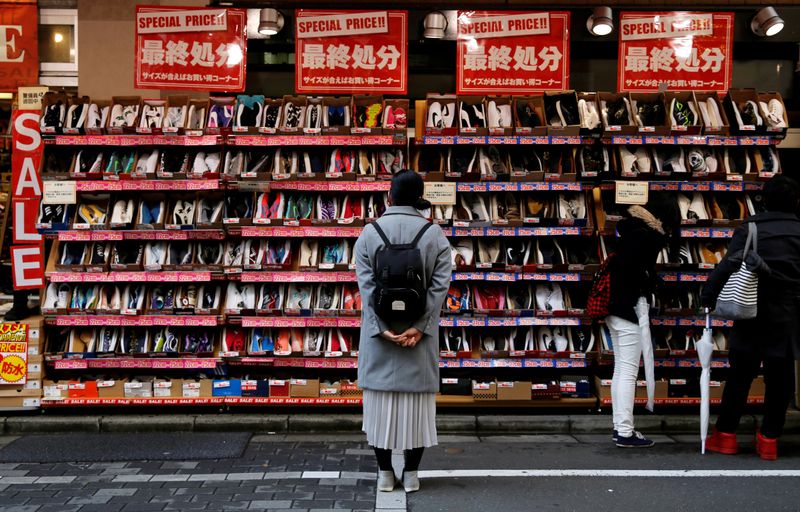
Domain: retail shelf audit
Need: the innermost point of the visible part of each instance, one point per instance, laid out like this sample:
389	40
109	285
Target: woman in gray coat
398	365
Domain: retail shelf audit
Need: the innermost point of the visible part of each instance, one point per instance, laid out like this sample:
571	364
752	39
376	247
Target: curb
351	423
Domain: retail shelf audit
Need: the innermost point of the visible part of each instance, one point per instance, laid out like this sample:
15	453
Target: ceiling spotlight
766	22
435	25
600	22
270	22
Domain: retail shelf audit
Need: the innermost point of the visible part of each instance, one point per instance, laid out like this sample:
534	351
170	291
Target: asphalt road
745	487
464	474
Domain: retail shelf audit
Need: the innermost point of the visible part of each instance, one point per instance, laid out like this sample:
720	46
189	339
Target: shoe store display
229	241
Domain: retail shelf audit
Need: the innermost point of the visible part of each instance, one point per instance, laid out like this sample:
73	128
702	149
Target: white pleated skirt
399	421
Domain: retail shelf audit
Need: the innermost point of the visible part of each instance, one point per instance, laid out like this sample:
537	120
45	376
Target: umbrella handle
708	318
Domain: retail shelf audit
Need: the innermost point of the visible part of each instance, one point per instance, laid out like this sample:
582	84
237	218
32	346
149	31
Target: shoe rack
263	305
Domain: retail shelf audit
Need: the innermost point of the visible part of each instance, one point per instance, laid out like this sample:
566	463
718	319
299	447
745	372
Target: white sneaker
410	481
713	112
434	121
774	114
628	160
386	481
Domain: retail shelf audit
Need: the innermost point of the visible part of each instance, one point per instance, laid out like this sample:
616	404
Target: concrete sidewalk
350	423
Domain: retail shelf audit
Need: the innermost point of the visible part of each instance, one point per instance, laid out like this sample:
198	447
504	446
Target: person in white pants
633	279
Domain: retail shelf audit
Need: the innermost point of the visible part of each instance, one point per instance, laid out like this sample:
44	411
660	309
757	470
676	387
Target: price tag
631	192
443	193
60	192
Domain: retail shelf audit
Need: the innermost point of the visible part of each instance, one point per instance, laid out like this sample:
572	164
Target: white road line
613	473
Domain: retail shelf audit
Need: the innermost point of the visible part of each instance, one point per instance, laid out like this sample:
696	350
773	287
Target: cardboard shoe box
138	389
304	388
516	390
483	391
167	388
196	388
227	388
111	388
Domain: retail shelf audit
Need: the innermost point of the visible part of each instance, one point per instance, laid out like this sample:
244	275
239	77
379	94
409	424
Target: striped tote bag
738	299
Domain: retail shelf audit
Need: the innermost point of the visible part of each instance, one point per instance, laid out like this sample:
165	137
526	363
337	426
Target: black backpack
400	286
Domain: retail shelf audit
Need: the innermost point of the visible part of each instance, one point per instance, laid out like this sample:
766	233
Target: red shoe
766	447
722	442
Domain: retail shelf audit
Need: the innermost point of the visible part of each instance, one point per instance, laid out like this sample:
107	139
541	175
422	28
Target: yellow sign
30	98
13	353
632	192
440	192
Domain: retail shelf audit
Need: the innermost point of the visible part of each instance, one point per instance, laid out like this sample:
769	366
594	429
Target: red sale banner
512	52
682	50
19	45
27	262
27	155
190	48
351	52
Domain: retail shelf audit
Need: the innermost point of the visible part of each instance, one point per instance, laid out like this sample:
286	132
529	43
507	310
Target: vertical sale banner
340	52
512	52
27	258
679	50
190	48
13	353
19	44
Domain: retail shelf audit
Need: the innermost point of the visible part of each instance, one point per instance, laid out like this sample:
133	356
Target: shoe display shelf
497	227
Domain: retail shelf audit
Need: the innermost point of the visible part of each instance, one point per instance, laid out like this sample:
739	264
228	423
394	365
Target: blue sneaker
635	440
614	435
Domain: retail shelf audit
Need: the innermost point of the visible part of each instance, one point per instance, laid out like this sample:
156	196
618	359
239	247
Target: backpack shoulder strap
381	233
421	232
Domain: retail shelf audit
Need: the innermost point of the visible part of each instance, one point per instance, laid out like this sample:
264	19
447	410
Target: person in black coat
773	337
641	235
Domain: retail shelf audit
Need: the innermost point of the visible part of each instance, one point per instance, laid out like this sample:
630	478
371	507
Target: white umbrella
642	310
704	349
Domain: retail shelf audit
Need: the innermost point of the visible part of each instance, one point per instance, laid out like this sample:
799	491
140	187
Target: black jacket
775	332
633	269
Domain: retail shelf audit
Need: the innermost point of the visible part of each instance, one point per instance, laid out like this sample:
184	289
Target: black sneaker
248	115
651	114
336	116
52	115
271	114
635	440
462	159
174	161
614	435
682	113
516	250
239	206
497	160
768	158
737	160
526	113
99	253
593	159
525	159
567	109
617	112
472	116
550	160
551	112
750	115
